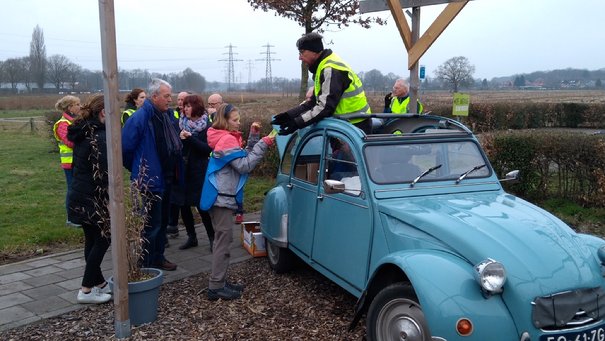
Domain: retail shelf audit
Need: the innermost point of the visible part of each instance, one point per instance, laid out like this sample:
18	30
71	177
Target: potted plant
143	283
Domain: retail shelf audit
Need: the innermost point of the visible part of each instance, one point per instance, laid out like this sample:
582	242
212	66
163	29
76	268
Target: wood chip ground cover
301	305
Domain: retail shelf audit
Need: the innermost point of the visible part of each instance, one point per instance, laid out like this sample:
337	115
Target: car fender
274	216
447	291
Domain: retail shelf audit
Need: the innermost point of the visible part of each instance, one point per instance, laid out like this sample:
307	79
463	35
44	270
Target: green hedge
512	115
552	164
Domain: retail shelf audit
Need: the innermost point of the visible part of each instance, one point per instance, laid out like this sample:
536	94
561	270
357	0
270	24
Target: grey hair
403	82
154	86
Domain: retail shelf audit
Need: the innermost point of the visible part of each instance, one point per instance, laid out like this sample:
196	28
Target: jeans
95	247
155	230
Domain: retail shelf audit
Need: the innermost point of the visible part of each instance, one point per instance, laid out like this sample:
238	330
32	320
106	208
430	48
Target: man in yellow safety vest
337	90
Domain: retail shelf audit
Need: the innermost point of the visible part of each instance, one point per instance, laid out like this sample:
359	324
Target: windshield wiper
428	171
463	175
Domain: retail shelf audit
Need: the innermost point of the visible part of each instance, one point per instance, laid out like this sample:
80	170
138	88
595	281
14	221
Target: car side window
286	165
341	165
306	166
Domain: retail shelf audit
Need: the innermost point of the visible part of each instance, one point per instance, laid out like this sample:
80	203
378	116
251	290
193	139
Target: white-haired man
397	102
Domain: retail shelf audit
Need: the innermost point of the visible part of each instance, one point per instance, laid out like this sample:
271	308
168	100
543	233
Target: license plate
596	333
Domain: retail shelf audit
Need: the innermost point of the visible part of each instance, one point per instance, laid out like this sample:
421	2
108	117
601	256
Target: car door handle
320	197
290	186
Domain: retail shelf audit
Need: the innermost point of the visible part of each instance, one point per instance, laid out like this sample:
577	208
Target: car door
343	224
304	186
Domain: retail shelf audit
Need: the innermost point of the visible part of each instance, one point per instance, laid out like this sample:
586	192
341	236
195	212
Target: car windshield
403	163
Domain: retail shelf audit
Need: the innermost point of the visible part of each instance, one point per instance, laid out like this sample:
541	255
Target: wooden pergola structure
414	43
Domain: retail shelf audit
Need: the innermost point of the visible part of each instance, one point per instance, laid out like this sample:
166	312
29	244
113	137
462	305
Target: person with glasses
337	90
214	101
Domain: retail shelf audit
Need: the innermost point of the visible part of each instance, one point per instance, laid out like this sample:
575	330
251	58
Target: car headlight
491	276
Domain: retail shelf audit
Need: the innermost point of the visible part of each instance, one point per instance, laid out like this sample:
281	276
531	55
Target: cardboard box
252	239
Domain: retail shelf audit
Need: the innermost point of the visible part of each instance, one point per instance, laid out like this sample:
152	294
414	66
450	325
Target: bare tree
456	72
26	73
58	70
13	68
73	74
37	55
314	15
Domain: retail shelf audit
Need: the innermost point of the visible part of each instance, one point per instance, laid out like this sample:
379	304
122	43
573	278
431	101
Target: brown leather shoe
165	265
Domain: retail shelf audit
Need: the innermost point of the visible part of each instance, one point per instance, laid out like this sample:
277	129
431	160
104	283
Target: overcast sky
499	37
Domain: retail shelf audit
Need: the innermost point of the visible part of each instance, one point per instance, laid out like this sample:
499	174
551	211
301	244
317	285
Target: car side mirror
511	177
334	186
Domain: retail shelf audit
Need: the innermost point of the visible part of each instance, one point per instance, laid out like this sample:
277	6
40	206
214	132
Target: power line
230	68
268	60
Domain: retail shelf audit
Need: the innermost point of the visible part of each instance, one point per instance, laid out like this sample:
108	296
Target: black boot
190	242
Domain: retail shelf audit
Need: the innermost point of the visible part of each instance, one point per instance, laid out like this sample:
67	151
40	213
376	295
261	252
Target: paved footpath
47	286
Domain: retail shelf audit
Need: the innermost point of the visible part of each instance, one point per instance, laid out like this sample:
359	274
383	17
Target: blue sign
422	72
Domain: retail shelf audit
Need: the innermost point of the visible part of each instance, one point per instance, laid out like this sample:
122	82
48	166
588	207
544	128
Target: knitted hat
310	41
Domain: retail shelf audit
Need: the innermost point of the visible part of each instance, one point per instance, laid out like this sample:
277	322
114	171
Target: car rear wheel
395	314
280	259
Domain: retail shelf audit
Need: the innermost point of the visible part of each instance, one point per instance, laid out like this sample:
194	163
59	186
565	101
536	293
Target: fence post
31	124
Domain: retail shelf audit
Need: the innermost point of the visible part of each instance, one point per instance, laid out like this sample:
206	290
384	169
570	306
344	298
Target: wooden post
414	79
114	161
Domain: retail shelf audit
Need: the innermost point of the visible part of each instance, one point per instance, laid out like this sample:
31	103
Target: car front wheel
395	314
280	259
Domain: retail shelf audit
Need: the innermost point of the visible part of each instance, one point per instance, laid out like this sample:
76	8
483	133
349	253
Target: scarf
194	127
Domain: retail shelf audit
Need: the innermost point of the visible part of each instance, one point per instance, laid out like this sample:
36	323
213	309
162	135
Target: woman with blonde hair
69	106
89	199
223	189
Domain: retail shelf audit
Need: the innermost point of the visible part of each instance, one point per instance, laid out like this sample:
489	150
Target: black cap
310	41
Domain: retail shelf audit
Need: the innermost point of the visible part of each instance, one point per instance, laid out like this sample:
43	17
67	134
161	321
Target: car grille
568	309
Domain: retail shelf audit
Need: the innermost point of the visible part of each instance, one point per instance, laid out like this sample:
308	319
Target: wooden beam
114	162
368	6
434	31
401	22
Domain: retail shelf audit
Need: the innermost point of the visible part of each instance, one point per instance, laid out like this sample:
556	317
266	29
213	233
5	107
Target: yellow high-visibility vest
354	99
126	113
65	153
402	108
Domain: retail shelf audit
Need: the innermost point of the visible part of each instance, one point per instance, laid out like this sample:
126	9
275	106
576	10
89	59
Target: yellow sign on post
461	104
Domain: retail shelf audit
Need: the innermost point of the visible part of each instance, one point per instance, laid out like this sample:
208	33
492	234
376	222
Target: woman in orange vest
70	108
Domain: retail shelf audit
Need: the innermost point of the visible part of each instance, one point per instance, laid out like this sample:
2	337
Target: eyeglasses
213	104
300	52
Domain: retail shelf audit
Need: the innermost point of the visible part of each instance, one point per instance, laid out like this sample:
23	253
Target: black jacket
88	197
195	156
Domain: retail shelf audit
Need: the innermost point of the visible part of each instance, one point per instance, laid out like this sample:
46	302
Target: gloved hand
387	100
280	119
288	127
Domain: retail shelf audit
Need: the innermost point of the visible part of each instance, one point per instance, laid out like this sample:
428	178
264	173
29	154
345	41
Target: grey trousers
222	221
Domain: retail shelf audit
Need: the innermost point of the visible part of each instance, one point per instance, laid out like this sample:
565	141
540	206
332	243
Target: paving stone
14	314
43	280
20	323
14	277
72	273
74	263
41	262
70	255
12	268
13	299
46	305
44	291
71	284
10	288
43	270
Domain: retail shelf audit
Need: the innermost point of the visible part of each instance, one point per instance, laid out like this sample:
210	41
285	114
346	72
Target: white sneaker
105	290
94	296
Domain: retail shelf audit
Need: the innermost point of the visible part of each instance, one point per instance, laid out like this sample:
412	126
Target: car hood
539	252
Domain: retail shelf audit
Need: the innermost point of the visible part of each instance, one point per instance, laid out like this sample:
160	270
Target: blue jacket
138	143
